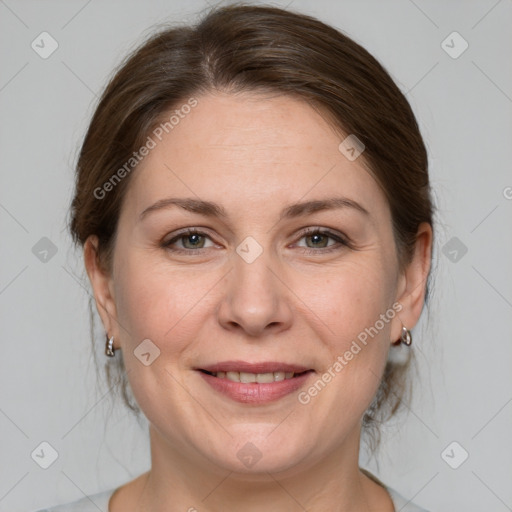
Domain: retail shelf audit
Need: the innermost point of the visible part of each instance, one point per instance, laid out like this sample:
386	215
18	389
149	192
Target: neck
180	481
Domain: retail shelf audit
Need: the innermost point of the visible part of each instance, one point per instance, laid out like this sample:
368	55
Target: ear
102	286
413	282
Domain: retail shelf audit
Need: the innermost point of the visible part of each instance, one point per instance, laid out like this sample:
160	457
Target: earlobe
101	285
413	283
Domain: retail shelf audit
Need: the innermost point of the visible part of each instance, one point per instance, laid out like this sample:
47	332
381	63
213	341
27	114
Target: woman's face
264	280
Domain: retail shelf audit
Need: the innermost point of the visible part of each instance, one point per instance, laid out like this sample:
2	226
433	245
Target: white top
99	503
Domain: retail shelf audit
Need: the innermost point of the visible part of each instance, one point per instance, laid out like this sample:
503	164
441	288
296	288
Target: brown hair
258	48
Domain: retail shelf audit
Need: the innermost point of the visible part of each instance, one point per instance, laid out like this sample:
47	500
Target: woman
254	204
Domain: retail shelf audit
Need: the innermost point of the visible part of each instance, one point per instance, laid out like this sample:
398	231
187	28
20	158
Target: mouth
257	378
255	383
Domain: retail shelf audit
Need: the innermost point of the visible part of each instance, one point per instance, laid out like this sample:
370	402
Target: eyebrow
211	209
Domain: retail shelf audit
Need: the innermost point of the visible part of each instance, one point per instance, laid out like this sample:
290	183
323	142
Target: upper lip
262	367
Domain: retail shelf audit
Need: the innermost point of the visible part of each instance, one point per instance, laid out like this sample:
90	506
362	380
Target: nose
256	300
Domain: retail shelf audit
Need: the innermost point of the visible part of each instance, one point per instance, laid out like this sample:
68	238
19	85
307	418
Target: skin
253	155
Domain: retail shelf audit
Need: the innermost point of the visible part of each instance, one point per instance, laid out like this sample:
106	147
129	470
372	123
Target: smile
268	382
259	378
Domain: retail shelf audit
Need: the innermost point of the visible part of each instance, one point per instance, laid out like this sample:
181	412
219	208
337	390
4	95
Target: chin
253	453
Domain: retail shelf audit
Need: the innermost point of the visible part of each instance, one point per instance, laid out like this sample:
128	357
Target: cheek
350	299
355	309
361	323
164	304
157	304
150	301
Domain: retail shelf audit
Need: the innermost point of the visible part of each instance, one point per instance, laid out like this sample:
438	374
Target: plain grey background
463	393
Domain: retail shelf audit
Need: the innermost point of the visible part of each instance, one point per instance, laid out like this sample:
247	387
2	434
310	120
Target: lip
253	392
262	367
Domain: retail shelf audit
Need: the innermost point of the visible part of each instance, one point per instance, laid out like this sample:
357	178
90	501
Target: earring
109	349
406	336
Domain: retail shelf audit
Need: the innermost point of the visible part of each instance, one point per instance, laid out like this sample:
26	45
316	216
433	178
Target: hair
264	49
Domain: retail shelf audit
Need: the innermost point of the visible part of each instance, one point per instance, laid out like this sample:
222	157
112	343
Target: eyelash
305	250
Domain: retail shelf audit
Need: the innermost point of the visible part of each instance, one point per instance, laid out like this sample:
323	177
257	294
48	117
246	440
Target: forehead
250	151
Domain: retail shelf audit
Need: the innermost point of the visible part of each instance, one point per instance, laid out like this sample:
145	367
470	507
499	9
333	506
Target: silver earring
109	349
406	336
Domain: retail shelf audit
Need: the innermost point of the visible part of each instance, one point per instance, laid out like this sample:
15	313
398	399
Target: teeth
234	376
263	378
245	377
260	378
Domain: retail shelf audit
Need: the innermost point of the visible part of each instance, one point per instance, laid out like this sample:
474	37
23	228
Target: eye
317	241
190	240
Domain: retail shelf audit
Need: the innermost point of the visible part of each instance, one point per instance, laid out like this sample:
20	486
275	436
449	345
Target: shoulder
400	503
94	503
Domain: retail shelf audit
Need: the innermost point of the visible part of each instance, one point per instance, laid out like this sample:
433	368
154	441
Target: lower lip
254	393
